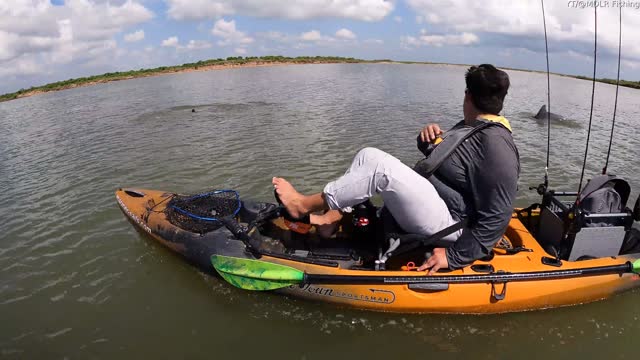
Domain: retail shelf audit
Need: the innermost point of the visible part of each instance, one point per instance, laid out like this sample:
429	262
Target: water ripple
71	261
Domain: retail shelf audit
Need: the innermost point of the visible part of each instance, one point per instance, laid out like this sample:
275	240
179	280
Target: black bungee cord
546	46
593	92
615	106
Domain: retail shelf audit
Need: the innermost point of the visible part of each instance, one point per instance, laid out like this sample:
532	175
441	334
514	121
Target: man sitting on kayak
478	180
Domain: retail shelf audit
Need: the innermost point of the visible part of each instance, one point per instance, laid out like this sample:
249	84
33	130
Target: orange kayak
520	275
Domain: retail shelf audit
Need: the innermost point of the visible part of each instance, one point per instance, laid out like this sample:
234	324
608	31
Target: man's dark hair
488	86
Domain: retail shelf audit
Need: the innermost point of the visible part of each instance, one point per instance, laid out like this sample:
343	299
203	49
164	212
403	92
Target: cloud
630	64
134	36
15	45
440	40
374	41
516	51
36	35
173	42
240	51
226	30
345	34
397	19
521	21
198	45
95	20
316	37
22	66
579	56
313	35
276	36
363	10
170	42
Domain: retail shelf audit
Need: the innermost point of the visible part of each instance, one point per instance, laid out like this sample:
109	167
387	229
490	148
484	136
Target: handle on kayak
241	234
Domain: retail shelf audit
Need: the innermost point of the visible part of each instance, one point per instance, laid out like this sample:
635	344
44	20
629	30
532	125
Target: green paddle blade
635	267
250	274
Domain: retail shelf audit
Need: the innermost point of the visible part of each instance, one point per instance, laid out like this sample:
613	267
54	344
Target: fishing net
202	213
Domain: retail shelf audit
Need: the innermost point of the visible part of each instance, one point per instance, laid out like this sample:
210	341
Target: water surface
79	282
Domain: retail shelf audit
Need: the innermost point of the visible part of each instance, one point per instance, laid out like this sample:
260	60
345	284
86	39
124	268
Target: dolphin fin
542	112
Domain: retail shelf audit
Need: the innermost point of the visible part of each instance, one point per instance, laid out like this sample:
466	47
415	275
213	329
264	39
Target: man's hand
436	262
430	133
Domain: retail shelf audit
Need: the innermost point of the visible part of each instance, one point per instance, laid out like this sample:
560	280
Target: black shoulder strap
450	142
410	242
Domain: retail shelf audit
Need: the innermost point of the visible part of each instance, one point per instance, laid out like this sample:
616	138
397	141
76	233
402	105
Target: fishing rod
593	93
546	46
615	106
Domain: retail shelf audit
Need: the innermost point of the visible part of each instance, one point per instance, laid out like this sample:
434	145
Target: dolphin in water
542	114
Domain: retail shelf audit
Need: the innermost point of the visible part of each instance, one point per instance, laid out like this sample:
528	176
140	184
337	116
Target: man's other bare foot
327	224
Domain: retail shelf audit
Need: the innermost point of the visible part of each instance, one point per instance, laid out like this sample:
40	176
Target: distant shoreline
239	62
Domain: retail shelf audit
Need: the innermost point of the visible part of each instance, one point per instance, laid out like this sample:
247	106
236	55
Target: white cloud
198	45
226	30
303	39
397	19
516	51
440	40
34	34
630	64
15	45
134	36
21	66
579	56
313	35
364	10
345	34
170	42
374	41
240	51
174	42
94	20
523	20
275	36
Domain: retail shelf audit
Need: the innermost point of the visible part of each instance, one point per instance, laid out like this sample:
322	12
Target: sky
42	41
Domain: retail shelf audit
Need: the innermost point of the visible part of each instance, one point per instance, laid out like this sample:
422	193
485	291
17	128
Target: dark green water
78	282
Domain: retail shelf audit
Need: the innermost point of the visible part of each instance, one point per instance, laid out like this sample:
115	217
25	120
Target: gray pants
411	199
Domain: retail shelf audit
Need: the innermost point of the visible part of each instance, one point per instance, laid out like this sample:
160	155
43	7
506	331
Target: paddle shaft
466	279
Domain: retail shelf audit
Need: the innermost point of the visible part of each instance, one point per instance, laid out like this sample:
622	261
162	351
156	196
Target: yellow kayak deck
146	210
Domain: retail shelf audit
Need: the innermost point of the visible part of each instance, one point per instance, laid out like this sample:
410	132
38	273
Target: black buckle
483	268
503	293
517	249
551	261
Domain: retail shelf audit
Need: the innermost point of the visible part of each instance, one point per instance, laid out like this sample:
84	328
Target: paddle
250	274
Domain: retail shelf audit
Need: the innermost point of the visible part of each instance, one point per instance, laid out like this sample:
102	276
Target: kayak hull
145	210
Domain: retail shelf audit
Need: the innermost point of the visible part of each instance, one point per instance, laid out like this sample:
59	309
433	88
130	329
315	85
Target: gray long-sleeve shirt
479	180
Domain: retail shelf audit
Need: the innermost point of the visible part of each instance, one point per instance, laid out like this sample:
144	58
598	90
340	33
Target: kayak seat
593	226
397	247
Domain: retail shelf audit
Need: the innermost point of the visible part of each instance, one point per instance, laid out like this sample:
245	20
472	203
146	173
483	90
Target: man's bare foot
292	200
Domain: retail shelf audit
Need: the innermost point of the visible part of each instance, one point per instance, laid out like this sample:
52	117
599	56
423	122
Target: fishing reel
540	189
